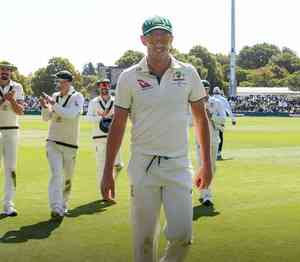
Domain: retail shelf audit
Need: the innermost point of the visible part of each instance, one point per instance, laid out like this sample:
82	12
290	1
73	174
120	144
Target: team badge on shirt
144	85
178	79
178	76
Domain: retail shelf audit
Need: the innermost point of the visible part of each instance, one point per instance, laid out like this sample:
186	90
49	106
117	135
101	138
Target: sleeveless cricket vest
63	130
8	118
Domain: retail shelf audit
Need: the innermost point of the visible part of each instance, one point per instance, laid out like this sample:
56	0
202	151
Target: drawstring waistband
158	161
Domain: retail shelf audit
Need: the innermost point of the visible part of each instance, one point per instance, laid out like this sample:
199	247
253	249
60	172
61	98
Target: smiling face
103	88
158	42
63	85
5	73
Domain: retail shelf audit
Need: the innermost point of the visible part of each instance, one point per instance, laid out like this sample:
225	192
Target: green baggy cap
5	64
157	22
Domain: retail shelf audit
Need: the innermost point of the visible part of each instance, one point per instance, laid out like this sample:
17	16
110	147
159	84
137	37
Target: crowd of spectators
251	103
265	103
32	104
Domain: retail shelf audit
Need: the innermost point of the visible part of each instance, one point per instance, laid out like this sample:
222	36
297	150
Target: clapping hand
48	98
102	114
10	96
43	102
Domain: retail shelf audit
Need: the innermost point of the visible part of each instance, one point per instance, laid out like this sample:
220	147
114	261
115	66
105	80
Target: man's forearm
204	139
114	142
202	130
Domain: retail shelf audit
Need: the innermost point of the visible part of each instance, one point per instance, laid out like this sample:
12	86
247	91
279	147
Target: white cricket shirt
159	111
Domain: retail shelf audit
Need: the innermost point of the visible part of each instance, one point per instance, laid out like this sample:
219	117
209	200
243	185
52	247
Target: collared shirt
98	104
226	106
8	118
159	111
216	113
64	117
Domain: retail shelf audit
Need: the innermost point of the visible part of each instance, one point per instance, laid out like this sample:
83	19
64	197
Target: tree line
262	65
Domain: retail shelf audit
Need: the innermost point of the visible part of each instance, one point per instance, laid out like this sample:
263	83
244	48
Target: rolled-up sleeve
123	92
197	91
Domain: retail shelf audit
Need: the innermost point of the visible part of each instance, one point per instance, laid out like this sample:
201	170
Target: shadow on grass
39	230
2	216
203	211
90	208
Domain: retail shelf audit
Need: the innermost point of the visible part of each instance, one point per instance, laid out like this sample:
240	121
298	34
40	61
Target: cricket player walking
217	117
217	94
63	111
101	108
11	105
156	94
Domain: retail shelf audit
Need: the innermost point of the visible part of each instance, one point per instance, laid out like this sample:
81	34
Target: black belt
95	137
158	162
8	127
62	143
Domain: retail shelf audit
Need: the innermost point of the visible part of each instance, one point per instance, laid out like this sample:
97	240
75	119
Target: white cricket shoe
10	211
57	214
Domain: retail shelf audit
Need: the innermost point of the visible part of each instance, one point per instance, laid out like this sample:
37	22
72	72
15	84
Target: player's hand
49	100
108	186
10	96
203	178
43	102
105	114
99	113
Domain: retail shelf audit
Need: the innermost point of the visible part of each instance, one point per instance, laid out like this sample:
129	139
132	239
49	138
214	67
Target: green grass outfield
257	202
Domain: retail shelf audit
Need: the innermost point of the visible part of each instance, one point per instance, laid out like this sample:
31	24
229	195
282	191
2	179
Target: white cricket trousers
8	153
167	184
61	161
100	147
206	194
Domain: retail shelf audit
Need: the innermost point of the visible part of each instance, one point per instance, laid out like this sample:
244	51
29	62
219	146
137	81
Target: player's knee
147	246
180	237
180	242
10	171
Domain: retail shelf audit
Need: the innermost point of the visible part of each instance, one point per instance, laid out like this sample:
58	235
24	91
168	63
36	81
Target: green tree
246	84
293	81
214	69
287	60
43	79
195	61
222	59
241	75
89	84
279	72
256	56
261	77
129	58
25	81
